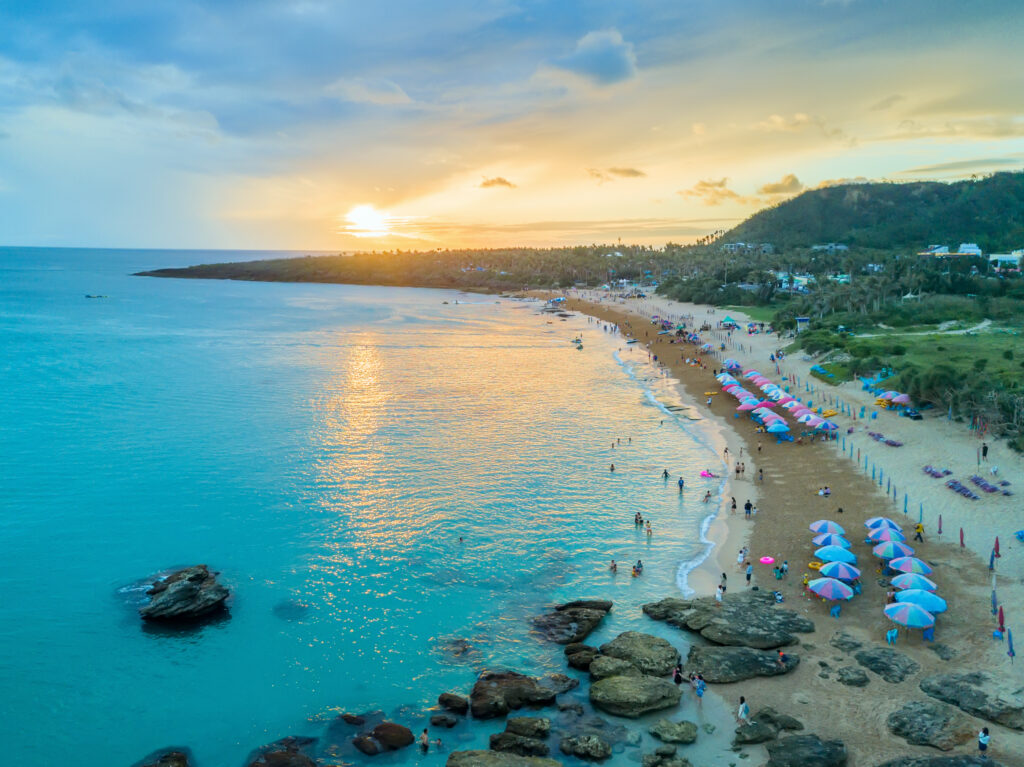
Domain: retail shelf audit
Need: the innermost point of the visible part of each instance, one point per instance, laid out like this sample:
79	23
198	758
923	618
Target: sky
339	126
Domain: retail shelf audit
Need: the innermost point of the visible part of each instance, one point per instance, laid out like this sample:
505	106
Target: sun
367	221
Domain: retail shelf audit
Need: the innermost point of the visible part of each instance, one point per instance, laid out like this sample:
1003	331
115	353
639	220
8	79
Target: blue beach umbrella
835	554
830	539
876	522
840	570
913	581
910	615
892	550
826	526
1009	639
830	588
910	565
778	428
933	603
879	534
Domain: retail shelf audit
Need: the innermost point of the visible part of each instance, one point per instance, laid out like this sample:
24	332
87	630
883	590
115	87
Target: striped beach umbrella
882	522
879	534
835	554
913	581
826	526
892	550
840	570
831	539
933	603
830	588
910	615
910	565
777	427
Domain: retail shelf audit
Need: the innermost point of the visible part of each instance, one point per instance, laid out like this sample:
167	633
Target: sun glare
367	221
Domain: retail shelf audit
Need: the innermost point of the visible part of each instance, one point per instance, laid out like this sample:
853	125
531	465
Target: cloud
627	172
788	184
714	192
797	122
886	103
602	57
610	174
985	127
983	163
842	182
368	90
699	129
487	183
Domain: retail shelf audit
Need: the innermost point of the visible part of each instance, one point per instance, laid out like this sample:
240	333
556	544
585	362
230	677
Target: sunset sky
354	125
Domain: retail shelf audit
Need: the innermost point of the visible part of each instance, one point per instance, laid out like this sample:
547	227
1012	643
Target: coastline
857	716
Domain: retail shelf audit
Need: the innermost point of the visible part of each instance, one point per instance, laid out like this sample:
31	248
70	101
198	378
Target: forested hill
908	216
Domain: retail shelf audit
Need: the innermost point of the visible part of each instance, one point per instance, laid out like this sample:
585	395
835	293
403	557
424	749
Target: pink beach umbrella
910	565
892	550
880	534
786	399
747	406
830	588
840	570
826	526
903	399
830	539
910	615
804	418
750	373
814	422
792	404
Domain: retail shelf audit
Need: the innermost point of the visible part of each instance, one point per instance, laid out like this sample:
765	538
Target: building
749	248
1006	260
831	247
965	249
935	250
968	249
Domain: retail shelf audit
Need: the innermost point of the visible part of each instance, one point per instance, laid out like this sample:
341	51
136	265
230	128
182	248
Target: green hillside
902	217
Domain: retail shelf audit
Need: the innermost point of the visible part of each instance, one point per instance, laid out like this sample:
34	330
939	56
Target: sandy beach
788	502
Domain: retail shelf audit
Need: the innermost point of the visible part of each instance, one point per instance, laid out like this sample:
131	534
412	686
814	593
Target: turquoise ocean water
323	447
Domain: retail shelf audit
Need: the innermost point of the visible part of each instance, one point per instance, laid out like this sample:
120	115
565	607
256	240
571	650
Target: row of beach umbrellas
772	396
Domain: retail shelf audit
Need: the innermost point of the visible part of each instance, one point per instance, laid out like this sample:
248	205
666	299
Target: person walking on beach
734	505
918	531
983	738
677	674
984	451
719	593
759	447
760	475
743	468
749	571
785	568
746	508
743	712
699	686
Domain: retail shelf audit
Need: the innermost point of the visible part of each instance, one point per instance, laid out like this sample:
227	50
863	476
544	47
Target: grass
1003	352
840	373
756	313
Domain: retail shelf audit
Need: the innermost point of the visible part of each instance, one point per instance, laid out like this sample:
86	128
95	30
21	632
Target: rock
943	651
751	619
650	654
529	726
580	655
733	664
452	702
632	696
777	720
666	751
851	676
806	751
288	752
602	728
981	694
496	759
510	742
959	760
167	757
353	719
589	747
604	666
674	732
661	760
572	621
187	594
386	736
573	708
892	666
498	692
755	732
845	642
443	720
930	723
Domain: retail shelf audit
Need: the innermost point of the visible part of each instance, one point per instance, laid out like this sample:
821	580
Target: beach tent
880	534
910	565
910	615
835	554
912	581
892	550
830	588
728	320
933	603
826	526
840	570
830	539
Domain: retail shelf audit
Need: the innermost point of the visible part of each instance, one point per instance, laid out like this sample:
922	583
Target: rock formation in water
184	595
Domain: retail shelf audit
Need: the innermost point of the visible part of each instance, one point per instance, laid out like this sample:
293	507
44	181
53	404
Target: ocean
325	448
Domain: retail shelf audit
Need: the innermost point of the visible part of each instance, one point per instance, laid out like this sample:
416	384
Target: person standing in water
613	467
681	483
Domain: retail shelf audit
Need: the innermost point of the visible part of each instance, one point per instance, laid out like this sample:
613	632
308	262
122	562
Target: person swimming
664	474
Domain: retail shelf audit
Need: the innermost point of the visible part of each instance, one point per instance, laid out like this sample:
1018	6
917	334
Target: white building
1006	260
968	249
831	247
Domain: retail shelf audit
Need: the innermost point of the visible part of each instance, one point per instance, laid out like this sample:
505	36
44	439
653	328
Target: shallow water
324	447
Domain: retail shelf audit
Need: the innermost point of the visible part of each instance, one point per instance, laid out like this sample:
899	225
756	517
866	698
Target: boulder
755	732
777	720
658	759
579	655
167	757
529	726
851	676
452	702
496	759
573	621
650	654
959	760
589	747
604	666
930	723
721	665
510	742
443	720
751	619
498	692
184	595
806	751
633	696
674	732
845	642
386	736
980	694
892	666
354	719
288	752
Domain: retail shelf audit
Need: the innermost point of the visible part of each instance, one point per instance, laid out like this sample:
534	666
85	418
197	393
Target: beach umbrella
830	539
827	426
910	565
913	581
882	522
890	395
892	550
910	615
805	418
826	526
840	570
750	373
1009	639
933	603
1001	621
902	399
747	406
786	399
835	554
777	428
792	404
879	534
814	422
830	588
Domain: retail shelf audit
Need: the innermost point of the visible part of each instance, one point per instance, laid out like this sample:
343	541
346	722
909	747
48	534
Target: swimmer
640	565
424	740
613	567
707	496
613	467
649	531
664	474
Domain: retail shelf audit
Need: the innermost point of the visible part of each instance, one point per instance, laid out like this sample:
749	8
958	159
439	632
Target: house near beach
749	248
1006	260
942	251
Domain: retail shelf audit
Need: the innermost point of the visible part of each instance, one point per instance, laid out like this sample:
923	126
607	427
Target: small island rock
186	594
573	621
633	696
806	751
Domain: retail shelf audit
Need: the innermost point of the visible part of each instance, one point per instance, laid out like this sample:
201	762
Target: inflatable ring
814	565
711	393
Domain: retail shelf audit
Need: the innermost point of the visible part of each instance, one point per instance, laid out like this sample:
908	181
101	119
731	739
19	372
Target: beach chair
1019	535
891	635
834	612
928	635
